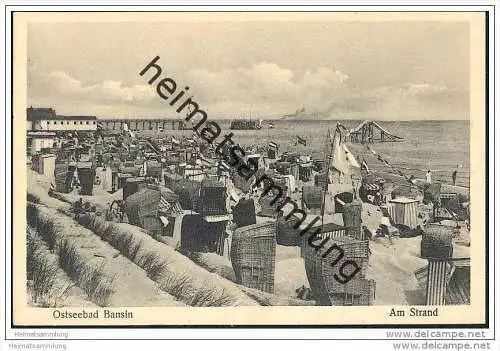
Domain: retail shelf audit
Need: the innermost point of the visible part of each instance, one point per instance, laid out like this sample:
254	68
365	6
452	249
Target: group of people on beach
412	179
428	176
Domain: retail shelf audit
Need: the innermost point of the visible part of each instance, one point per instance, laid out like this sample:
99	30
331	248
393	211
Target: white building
44	164
45	119
37	141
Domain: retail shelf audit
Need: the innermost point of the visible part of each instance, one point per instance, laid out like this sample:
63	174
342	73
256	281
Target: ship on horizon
301	113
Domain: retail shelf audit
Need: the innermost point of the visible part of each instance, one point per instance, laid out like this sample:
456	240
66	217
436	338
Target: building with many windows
43	125
46	119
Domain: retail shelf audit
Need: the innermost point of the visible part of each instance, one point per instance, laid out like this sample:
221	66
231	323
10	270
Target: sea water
439	146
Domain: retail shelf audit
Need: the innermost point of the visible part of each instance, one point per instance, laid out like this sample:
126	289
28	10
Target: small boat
246	124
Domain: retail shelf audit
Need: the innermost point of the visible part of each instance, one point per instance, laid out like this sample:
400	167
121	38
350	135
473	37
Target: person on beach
428	177
78	208
385	223
367	234
412	179
454	177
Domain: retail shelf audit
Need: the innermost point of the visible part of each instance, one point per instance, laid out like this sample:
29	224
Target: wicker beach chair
253	255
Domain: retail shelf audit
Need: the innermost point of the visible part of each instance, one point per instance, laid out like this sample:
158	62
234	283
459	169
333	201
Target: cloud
264	89
60	86
267	87
409	101
113	91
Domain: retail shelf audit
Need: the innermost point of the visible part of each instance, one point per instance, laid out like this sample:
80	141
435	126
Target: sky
338	70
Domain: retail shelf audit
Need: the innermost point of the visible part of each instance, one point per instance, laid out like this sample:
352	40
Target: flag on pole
206	160
364	165
371	150
223	167
273	145
128	131
351	160
339	159
301	141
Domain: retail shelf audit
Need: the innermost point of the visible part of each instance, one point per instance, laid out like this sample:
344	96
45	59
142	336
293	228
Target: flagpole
323	207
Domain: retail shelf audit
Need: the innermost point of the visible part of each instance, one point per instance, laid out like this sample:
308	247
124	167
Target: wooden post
352	219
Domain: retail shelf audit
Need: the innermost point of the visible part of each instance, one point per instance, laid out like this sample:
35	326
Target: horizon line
282	118
285	119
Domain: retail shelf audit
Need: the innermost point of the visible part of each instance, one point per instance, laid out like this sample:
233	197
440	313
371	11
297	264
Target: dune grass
96	275
32	214
178	286
127	246
211	298
154	265
128	241
54	299
32	248
181	287
97	285
48	232
45	228
68	260
41	274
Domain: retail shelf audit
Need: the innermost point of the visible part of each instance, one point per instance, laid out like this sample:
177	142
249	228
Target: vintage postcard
249	169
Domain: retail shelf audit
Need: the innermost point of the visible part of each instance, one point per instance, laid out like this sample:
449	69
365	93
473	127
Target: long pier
142	124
